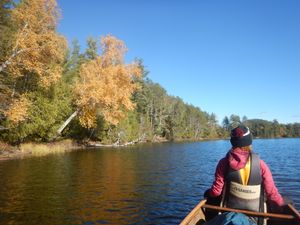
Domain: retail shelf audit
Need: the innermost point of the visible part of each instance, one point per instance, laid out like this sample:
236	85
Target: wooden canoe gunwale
195	215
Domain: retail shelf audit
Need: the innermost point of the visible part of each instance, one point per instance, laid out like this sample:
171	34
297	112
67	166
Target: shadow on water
148	184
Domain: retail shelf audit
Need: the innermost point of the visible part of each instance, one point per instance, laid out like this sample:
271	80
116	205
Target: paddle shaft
295	211
250	213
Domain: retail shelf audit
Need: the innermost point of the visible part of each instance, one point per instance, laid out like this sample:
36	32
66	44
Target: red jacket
237	159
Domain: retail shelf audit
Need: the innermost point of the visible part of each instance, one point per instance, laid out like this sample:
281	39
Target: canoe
198	215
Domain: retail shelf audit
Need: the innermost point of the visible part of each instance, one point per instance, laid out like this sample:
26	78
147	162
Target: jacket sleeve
272	193
218	184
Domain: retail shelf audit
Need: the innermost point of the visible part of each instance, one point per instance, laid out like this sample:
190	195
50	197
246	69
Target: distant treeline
49	91
263	128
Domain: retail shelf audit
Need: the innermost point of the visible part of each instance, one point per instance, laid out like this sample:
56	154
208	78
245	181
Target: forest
51	90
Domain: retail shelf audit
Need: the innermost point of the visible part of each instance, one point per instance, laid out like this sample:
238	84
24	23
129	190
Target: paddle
295	211
251	213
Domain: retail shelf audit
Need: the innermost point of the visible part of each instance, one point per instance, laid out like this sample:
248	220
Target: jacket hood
237	158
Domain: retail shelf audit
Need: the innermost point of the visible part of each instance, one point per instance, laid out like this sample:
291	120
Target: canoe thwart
250	213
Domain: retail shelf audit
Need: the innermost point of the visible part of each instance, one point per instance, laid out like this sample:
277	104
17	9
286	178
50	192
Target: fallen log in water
117	143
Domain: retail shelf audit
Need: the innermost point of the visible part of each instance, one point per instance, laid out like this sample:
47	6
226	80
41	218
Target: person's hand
207	193
283	208
287	200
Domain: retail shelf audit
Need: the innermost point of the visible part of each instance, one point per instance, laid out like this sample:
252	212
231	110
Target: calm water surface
149	184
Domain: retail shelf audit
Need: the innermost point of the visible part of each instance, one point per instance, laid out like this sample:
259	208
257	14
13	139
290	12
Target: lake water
148	184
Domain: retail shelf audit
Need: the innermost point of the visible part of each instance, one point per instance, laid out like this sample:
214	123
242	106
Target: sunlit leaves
106	84
38	48
18	110
113	50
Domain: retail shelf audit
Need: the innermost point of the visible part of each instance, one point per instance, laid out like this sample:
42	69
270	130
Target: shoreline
32	149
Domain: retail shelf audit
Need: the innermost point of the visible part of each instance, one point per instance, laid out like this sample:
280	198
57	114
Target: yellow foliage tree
106	85
38	48
17	112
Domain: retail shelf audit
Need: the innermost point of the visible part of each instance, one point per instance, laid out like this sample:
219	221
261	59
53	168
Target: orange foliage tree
37	53
18	110
106	85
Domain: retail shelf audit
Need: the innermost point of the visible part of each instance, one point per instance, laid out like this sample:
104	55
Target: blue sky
226	57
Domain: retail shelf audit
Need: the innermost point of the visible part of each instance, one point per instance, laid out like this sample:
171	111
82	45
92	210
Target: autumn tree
106	85
35	57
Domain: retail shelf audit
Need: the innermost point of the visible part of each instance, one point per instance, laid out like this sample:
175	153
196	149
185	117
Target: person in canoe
242	179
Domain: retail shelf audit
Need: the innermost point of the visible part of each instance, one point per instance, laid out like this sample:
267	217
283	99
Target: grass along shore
36	149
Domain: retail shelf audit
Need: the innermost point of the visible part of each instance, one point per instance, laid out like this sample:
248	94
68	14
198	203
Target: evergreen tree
91	51
226	123
234	121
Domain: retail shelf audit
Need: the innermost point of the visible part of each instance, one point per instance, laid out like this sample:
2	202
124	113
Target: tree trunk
8	61
62	127
3	128
4	65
